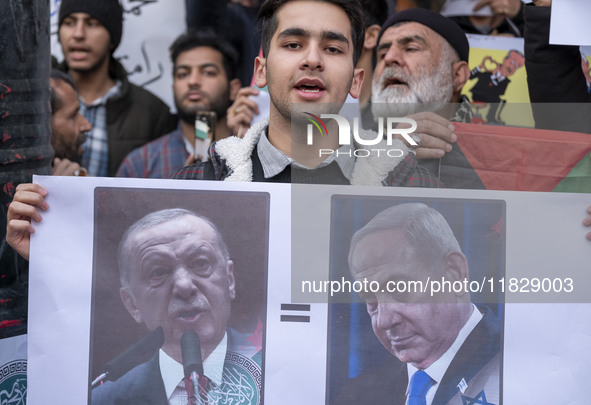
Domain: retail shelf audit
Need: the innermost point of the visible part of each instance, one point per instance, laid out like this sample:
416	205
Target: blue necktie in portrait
420	383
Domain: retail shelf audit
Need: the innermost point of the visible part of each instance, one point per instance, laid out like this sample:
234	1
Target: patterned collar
464	112
274	161
96	146
111	93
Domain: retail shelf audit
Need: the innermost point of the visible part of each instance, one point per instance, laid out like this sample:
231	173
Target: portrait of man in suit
445	349
177	274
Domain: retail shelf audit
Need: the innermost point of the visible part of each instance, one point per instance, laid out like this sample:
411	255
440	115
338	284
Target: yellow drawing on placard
498	87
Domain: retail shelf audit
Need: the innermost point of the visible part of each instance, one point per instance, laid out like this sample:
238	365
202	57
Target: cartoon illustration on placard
492	79
497	86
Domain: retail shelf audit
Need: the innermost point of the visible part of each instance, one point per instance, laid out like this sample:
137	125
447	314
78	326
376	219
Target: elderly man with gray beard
422	65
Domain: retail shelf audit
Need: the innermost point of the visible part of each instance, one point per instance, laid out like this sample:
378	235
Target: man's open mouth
310	86
78	49
394	81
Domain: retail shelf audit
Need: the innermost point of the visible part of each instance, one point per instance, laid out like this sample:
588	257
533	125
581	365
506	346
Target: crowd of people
411	63
407	63
222	43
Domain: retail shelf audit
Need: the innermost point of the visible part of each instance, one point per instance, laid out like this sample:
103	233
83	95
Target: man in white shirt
442	338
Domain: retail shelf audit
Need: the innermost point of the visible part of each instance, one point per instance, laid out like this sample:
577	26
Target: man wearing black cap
422	65
123	116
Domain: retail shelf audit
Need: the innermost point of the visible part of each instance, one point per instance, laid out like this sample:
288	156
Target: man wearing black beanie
422	66
123	116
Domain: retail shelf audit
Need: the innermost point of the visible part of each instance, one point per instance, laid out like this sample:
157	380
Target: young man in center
310	49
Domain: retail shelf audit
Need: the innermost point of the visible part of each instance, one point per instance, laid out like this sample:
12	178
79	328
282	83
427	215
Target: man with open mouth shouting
310	49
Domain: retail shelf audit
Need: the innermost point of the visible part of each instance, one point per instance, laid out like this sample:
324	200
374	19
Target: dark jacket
477	362
554	75
143	384
134	118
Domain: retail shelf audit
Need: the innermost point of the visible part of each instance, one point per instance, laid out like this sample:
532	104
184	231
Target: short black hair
376	12
267	22
58	76
206	37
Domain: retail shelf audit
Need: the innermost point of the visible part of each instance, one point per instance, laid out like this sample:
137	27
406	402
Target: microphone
192	361
121	364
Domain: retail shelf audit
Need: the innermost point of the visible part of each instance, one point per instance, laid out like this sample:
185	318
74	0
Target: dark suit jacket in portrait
143	384
477	363
486	89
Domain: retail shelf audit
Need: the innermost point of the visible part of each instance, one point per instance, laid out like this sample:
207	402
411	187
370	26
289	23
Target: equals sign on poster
289	313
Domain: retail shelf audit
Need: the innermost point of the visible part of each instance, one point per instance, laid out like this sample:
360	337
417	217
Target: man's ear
460	73
358	75
234	86
129	303
371	36
456	269
260	72
231	280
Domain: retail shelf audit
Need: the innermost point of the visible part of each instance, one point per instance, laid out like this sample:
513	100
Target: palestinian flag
525	159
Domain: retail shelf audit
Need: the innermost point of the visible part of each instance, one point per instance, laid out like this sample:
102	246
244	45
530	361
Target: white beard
426	91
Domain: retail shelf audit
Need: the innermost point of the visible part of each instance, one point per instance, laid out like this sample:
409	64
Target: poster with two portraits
299	328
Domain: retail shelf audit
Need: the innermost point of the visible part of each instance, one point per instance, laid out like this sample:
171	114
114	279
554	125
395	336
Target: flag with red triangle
526	159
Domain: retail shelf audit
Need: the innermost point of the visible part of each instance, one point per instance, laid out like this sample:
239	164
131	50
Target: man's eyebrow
411	38
294	32
207	65
301	32
202	66
403	41
384	45
334	36
179	67
85	18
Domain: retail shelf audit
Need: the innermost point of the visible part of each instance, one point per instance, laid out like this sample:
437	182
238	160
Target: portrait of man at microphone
177	278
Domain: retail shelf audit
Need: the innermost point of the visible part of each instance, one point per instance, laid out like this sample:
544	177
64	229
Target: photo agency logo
369	146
